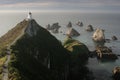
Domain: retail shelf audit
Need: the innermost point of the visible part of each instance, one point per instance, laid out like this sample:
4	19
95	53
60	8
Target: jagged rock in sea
89	28
69	25
116	73
99	37
79	24
54	28
107	40
48	27
72	32
105	54
114	38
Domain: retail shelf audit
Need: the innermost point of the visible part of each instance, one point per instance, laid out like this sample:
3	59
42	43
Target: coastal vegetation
2	61
7	40
79	54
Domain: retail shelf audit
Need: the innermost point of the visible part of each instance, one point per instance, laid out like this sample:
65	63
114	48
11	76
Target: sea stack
99	35
79	24
89	28
114	38
69	25
72	32
54	27
116	73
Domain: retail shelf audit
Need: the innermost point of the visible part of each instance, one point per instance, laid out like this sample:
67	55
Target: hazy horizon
61	5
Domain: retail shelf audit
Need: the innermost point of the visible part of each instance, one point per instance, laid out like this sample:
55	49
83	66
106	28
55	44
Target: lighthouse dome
29	17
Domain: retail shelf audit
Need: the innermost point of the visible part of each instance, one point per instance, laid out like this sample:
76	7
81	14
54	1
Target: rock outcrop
72	32
114	38
79	57
105	54
116	73
54	28
48	27
32	28
89	28
69	25
79	24
98	35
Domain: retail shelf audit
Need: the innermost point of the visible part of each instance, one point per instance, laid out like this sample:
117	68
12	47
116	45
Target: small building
29	17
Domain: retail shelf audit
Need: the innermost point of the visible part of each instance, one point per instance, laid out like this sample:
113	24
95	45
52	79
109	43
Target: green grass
70	44
2	61
13	72
79	51
0	76
7	39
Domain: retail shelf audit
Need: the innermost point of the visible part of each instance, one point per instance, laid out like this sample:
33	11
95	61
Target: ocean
110	22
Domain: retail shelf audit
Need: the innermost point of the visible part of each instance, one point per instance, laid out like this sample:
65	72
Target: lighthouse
29	17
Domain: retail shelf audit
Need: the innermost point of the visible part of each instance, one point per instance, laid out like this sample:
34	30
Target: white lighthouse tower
29	17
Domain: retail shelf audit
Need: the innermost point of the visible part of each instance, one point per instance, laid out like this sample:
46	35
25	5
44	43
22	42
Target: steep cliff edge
12	34
79	54
39	55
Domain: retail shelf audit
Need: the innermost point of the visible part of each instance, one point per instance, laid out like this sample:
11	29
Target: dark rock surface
54	27
105	53
89	28
116	73
72	32
114	38
79	24
99	35
79	57
69	25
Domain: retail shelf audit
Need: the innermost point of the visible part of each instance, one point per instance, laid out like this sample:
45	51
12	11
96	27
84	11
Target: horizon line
82	11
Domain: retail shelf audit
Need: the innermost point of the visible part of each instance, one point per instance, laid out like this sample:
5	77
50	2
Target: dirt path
8	52
5	67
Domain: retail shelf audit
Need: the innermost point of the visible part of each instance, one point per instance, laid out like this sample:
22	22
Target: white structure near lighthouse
29	17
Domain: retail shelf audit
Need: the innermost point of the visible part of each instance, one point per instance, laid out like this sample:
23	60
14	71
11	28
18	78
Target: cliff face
78	50
39	55
32	28
79	57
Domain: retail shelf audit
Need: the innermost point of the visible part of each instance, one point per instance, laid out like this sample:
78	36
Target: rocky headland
38	55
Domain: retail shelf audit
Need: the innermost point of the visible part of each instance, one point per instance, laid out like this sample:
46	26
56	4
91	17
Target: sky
61	5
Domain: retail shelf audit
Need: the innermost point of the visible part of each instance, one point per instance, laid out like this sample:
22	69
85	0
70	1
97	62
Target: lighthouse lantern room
29	17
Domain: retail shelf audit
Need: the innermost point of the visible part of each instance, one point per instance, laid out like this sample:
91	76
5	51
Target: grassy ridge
12	34
7	39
